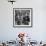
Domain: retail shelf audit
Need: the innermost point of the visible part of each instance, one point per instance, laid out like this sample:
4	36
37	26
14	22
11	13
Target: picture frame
22	17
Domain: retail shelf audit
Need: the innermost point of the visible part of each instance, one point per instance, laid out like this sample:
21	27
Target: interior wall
36	32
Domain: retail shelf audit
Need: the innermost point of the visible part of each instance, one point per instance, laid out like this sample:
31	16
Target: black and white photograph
22	17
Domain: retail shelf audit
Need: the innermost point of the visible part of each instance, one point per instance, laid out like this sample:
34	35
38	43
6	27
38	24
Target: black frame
31	18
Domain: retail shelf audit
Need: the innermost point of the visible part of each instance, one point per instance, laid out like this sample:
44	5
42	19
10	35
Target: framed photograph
22	17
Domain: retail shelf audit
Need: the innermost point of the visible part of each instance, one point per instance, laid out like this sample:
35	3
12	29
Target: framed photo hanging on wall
22	17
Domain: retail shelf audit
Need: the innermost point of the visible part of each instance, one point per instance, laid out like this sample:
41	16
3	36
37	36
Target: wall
37	32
